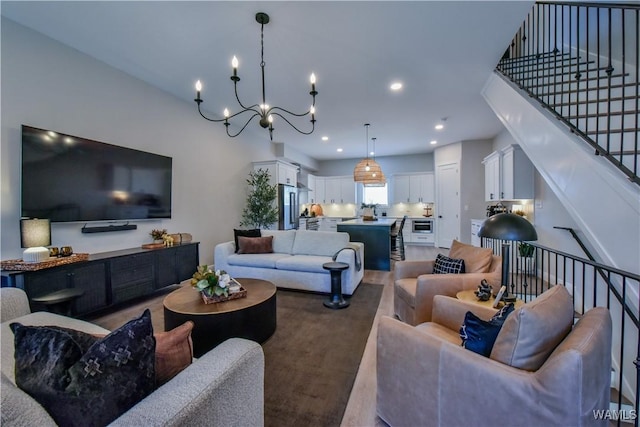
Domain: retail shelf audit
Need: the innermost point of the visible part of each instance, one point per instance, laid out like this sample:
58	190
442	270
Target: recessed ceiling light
325	138
396	86
372	153
434	142
339	150
439	126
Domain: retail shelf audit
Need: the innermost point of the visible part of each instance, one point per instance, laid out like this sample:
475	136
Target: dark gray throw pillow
446	265
478	335
245	233
82	380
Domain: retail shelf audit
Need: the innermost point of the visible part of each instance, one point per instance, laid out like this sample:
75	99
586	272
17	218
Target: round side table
60	302
336	301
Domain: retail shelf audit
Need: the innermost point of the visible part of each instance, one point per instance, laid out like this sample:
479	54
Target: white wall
389	165
49	85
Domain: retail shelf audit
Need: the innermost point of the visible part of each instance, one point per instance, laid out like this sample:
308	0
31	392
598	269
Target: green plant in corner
260	211
525	250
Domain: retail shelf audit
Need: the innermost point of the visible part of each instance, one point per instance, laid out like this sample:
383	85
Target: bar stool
397	242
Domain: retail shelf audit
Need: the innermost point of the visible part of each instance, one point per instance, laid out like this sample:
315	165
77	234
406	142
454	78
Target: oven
422	226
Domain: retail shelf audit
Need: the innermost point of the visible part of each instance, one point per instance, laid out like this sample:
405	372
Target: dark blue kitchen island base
376	239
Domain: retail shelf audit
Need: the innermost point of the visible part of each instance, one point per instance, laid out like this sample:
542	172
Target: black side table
336	301
60	302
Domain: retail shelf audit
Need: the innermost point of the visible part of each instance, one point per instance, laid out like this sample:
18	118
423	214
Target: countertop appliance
287	207
496	209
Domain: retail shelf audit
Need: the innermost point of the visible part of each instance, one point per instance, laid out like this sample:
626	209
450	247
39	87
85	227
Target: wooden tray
153	246
20	265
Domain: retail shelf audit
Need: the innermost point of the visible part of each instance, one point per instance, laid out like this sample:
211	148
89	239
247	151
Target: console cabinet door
187	260
92	279
131	276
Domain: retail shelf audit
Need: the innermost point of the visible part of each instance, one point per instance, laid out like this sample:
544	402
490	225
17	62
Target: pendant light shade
368	171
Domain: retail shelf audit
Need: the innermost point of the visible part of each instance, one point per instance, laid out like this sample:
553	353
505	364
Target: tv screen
66	178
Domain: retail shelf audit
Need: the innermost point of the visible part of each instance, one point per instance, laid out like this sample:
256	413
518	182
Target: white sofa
296	261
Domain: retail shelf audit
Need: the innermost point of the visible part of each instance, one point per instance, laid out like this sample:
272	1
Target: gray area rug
312	359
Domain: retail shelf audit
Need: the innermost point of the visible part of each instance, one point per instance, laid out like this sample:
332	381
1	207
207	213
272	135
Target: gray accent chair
542	371
223	387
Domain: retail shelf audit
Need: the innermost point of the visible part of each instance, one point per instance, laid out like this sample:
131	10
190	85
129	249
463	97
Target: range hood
302	188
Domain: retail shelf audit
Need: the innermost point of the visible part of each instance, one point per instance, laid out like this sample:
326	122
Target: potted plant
216	286
525	257
260	211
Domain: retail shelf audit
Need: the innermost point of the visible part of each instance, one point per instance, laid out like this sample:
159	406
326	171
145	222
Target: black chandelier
263	110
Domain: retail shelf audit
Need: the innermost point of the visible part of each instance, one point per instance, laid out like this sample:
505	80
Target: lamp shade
35	232
369	172
508	226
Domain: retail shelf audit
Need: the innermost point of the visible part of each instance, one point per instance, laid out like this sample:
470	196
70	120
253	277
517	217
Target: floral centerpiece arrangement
216	286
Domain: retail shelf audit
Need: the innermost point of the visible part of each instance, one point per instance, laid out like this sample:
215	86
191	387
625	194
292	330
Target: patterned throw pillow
478	335
81	383
446	265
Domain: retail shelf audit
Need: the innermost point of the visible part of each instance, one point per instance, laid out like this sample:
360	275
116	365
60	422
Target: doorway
448	204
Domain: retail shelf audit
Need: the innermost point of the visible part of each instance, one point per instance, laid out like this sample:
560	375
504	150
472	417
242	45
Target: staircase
568	90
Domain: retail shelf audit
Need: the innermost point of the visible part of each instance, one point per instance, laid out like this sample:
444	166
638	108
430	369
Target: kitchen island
376	236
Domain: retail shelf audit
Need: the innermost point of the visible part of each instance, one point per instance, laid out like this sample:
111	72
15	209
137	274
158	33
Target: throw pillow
536	328
245	233
446	265
255	245
80	385
174	351
476	260
478	335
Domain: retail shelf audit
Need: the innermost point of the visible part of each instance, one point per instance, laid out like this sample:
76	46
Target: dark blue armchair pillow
478	335
446	265
82	380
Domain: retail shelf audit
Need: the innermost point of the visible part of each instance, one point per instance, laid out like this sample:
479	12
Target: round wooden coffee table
252	317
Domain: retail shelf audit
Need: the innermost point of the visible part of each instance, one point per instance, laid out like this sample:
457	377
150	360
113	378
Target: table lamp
34	235
507	226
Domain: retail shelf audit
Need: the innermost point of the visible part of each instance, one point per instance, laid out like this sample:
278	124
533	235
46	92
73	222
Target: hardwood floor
361	408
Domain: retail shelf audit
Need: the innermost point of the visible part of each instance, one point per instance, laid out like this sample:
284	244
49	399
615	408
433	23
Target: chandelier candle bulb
234	64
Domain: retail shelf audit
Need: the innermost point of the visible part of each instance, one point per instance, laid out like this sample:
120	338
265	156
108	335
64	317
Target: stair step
602	114
534	57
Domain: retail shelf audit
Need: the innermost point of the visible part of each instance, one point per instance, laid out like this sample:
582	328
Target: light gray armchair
542	370
415	285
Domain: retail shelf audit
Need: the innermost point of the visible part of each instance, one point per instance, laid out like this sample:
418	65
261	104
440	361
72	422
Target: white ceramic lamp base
37	254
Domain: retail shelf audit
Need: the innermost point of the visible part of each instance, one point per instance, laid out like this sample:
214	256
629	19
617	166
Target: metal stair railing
581	61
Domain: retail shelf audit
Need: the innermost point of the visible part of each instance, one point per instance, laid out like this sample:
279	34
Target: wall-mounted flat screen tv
66	178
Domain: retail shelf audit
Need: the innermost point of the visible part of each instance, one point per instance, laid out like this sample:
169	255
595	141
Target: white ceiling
442	51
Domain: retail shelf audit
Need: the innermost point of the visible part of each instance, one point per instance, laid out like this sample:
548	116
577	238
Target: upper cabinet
281	172
331	189
414	188
509	175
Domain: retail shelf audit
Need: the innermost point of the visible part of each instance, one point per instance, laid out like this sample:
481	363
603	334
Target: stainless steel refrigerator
287	207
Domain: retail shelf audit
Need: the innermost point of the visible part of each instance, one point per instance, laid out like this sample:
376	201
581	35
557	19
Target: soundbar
108	228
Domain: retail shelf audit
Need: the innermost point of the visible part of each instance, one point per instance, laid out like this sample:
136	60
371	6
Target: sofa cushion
256	260
323	243
282	240
476	260
86	386
446	265
255	245
174	352
534	330
244	233
19	409
309	263
479	335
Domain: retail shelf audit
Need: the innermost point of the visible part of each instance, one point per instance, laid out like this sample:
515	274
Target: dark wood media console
110	278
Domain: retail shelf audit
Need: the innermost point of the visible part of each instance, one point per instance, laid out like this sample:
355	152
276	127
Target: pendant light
368	171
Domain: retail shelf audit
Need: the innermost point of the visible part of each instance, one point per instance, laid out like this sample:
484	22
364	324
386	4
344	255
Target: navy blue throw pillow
446	265
245	233
82	380
478	335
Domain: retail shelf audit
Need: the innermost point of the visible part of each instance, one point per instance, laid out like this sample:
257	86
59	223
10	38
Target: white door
448	204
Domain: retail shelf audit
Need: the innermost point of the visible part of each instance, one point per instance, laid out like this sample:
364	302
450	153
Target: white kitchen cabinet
339	189
422	238
319	191
517	174
414	188
508	175
279	171
476	224
492	177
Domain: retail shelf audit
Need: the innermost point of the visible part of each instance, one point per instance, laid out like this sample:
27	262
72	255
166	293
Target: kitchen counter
380	222
376	238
